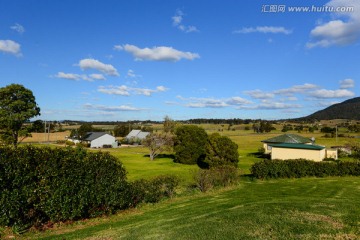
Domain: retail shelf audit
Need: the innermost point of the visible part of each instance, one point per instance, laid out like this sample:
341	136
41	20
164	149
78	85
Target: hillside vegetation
349	109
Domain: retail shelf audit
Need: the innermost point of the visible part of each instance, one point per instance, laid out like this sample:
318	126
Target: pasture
308	208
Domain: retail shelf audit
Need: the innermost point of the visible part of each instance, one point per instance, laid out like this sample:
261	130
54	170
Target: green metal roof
288	138
297	146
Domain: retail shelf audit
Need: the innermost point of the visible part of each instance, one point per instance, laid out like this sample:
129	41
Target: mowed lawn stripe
309	208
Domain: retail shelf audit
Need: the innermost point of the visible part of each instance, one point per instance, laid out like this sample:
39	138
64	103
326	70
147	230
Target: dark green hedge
302	168
42	184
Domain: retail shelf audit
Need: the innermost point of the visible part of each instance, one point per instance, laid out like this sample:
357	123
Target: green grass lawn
309	208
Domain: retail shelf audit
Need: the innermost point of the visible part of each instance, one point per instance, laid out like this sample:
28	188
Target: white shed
99	139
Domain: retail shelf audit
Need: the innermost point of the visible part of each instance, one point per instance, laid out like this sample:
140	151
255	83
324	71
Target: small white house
99	139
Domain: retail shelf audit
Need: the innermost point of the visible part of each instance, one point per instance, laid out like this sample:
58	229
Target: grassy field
306	208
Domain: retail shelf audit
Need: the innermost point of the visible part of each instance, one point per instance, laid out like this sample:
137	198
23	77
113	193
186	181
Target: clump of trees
194	146
263	126
17	106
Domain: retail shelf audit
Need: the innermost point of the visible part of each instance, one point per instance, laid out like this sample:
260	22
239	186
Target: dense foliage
43	184
153	190
219	151
17	106
222	176
190	144
303	168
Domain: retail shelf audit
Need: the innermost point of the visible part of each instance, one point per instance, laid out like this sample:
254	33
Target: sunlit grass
309	208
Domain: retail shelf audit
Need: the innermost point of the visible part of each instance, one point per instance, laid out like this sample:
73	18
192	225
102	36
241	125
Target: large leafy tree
220	150
190	141
17	106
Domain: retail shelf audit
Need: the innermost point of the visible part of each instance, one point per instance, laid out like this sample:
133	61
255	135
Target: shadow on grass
259	155
171	156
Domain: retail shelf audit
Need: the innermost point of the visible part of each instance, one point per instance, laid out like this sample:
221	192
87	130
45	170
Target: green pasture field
308	208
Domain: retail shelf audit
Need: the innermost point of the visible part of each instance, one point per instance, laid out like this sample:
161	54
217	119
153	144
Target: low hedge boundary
268	169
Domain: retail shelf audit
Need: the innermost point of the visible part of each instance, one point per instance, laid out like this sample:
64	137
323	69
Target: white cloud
90	63
347	83
177	22
296	89
118	47
195	102
258	94
324	93
9	46
264	29
343	29
115	90
161	89
277	105
18	28
77	77
159	53
127	91
69	76
120	108
97	76
237	101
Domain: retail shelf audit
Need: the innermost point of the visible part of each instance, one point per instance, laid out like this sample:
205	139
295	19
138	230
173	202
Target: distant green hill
349	109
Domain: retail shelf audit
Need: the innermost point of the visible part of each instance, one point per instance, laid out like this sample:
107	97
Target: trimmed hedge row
302	168
43	184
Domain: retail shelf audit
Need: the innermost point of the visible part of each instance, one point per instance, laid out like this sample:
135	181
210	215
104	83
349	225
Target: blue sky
137	60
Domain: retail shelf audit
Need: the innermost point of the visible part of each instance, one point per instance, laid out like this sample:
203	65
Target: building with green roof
292	146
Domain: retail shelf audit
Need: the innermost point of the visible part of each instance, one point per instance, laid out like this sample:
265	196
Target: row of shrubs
267	169
39	185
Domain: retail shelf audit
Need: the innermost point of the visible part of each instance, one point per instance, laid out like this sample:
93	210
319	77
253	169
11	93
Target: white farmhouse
99	139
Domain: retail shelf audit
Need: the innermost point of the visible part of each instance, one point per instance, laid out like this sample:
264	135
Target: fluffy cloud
120	108
77	77
115	90
177	22
277	105
324	93
127	91
194	102
264	29
296	89
342	31
258	94
18	28
9	46
90	63
159	53
347	83
97	76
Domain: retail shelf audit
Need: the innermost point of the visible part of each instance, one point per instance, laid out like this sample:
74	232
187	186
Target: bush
43	184
223	176
220	150
151	191
69	143
302	168
189	146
